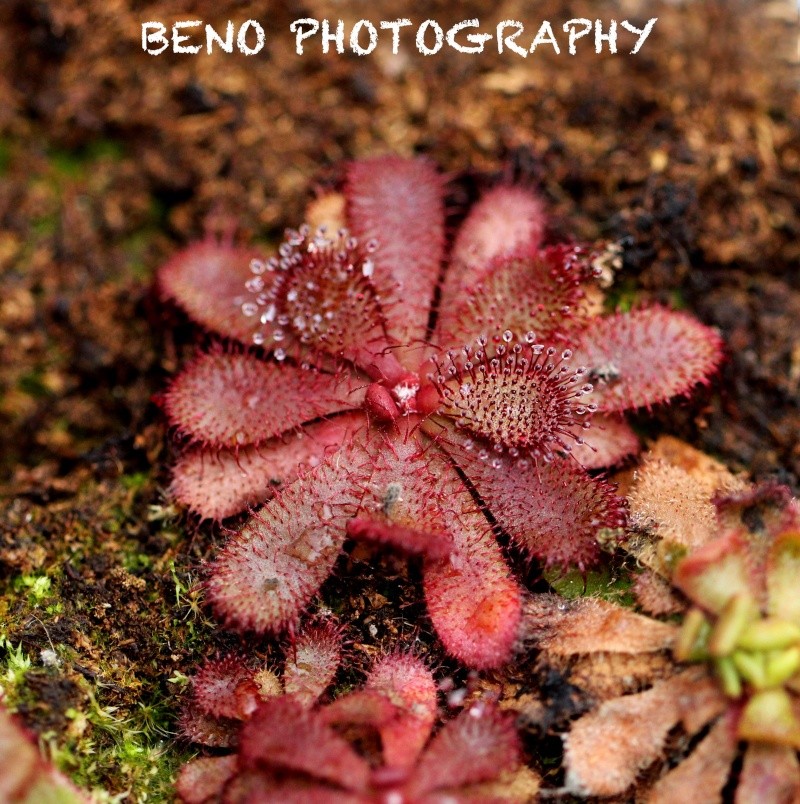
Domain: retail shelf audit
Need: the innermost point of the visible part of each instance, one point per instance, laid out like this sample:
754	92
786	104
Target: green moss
134	481
45	226
104	149
123	629
15	665
159	212
32	384
677	300
66	163
5	155
605	583
117	758
136	562
622	296
74	164
135	248
37	588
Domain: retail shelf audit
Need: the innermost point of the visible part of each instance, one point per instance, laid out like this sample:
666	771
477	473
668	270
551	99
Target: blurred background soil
110	160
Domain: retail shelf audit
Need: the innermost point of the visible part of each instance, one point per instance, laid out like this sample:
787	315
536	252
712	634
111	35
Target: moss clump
103	624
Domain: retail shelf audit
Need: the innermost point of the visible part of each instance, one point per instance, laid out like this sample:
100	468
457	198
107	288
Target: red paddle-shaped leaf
283	734
538	291
553	511
520	396
312	662
398	203
263	787
360	708
229	399
398	701
473	601
224	688
505	220
641	358
269	571
197	726
204	779
207	280
407	682
607	442
410	540
219	483
477	746
319	294
403	502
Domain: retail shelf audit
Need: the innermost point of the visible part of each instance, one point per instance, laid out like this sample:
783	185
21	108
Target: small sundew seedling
282	725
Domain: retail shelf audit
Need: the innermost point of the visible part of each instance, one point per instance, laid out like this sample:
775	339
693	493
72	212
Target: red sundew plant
226	692
411	396
287	747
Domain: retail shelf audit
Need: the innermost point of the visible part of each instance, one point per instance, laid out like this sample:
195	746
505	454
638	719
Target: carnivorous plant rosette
289	746
396	390
726	676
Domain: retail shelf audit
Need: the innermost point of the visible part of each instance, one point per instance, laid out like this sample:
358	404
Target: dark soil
110	160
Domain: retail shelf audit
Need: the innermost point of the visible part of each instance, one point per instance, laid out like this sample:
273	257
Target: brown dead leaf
673	503
517	786
655	595
607	749
701	702
590	625
770	773
704	773
670	502
528	707
706	469
609	675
